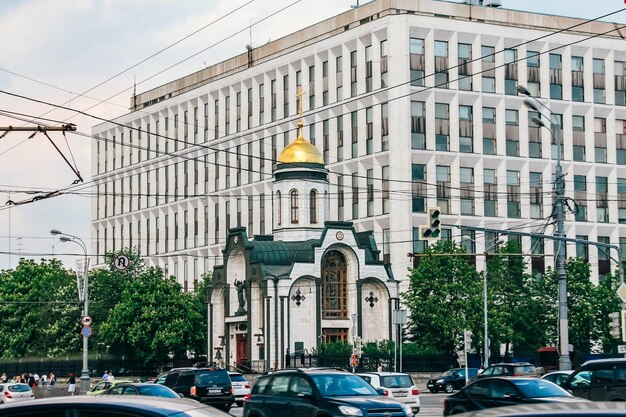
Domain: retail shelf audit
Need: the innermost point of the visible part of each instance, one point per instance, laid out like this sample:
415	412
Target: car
142	388
502	391
110	406
208	385
508	369
323	392
104	385
396	385
241	387
452	379
599	380
11	392
558	377
576	409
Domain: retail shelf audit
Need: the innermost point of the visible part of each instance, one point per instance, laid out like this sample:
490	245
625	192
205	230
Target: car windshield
539	389
204	378
156	391
342	385
396	381
238	378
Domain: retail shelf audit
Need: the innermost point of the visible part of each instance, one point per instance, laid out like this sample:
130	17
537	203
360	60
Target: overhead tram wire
343	103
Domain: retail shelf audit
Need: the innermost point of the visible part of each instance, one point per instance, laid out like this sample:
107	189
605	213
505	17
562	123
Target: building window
293	196
465	74
488	72
418	125
578	82
510	72
578	147
442	127
278	203
556	84
466	128
490	180
370	192
313	206
441	64
580	194
418	185
334	285
417	61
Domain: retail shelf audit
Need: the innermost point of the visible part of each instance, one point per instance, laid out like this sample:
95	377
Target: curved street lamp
83	296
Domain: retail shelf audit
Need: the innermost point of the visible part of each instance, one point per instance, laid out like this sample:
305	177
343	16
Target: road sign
86	321
121	262
86	331
621	348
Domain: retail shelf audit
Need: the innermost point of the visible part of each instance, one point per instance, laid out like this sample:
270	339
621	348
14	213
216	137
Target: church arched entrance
334	294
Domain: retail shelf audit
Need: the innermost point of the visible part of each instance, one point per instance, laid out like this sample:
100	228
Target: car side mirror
180	395
380	391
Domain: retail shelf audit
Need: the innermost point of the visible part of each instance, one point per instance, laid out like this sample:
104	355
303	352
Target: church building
312	281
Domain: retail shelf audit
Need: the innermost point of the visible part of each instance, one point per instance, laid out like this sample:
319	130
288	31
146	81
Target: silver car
241	387
15	392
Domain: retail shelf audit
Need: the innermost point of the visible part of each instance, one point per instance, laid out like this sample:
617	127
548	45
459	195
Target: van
208	385
599	380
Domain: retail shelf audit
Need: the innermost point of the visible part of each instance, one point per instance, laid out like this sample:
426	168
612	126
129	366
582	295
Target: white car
241	387
14	392
396	385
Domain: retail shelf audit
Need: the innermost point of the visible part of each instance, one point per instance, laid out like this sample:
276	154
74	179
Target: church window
334	286
294	206
313	206
278	208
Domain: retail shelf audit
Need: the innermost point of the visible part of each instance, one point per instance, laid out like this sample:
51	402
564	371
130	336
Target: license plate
400	394
430	384
215	391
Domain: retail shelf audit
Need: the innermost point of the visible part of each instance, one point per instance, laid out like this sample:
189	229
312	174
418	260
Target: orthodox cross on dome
299	95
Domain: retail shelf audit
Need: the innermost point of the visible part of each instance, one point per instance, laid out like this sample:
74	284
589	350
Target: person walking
105	377
53	380
4	378
44	380
71	384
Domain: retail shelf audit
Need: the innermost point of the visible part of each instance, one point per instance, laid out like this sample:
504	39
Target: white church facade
312	281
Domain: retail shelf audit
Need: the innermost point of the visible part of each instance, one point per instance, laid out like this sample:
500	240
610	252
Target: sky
86	56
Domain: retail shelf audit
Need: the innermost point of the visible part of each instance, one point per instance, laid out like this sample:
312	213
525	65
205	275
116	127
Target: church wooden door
242	342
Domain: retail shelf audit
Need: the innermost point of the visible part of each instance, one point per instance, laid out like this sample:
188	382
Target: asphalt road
431	406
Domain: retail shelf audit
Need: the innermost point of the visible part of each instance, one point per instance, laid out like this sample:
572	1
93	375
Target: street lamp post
83	296
531	102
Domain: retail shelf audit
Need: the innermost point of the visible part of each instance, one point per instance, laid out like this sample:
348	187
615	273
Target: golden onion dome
301	150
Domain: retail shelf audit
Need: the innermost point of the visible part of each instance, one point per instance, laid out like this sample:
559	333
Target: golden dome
300	150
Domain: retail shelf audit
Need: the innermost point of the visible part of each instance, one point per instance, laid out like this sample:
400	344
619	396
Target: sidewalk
59	390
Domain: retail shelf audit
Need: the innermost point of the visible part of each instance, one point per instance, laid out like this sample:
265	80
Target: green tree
444	297
154	320
40	310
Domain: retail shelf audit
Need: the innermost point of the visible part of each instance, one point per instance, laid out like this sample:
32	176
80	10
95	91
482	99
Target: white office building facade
412	104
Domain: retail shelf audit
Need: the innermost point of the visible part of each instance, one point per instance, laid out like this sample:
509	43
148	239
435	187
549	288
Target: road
431	406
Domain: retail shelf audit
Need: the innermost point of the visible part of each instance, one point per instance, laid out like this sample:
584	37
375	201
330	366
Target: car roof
167	406
512	363
559	372
609	360
383	373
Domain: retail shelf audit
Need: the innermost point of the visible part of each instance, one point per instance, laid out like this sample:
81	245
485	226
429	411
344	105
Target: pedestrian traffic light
431	231
615	325
355	360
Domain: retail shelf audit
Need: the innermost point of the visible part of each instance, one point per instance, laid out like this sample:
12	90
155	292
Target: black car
499	392
452	379
320	392
599	380
208	385
95	405
141	388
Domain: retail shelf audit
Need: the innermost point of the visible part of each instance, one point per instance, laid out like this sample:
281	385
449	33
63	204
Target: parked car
104	385
568	409
558	377
599	380
503	391
508	369
241	387
452	379
142	388
15	392
323	392
395	385
126	406
207	385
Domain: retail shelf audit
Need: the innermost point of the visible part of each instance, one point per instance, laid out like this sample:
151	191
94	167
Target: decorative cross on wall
298	297
371	299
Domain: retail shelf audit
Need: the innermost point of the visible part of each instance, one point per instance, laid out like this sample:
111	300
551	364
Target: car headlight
440	381
348	410
407	410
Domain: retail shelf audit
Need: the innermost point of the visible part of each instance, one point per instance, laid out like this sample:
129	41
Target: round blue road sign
86	331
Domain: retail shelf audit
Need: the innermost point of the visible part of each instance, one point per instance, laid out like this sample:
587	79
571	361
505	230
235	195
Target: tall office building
412	104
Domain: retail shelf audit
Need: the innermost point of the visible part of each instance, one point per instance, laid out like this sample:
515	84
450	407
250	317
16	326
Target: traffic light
468	339
431	231
615	325
355	360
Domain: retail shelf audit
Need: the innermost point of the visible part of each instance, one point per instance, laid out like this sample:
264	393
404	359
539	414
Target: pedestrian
23	378
4	378
105	377
31	380
36	376
71	384
53	380
111	377
380	367
44	380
